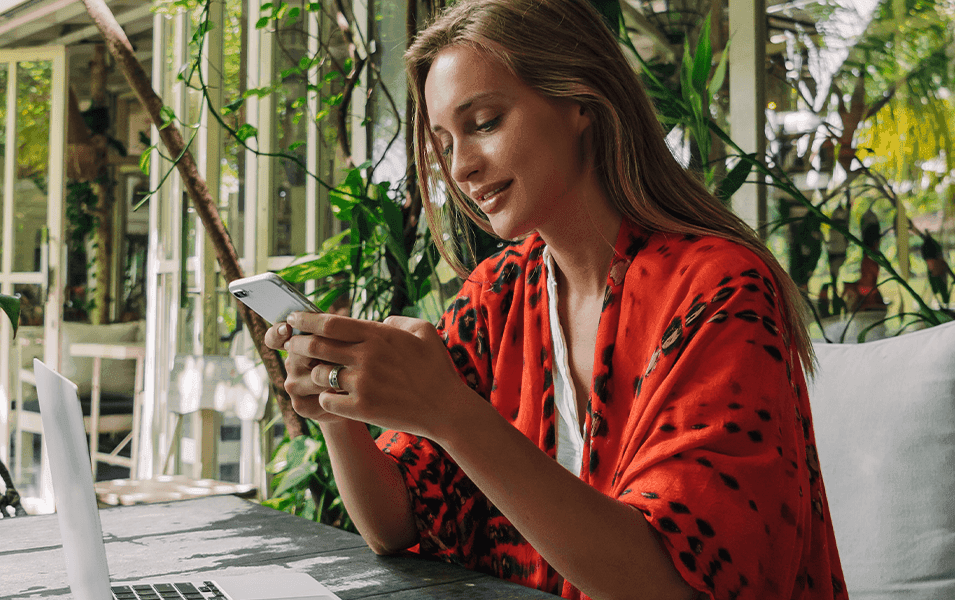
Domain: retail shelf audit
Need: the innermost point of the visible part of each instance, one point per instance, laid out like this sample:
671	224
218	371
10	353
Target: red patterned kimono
698	418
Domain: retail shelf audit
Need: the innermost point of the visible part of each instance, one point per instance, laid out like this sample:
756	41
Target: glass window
34	80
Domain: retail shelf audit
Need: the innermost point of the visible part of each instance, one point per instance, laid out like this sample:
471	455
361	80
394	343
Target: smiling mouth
490	195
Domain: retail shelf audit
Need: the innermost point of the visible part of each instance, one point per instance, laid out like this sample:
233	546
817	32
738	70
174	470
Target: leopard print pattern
697	417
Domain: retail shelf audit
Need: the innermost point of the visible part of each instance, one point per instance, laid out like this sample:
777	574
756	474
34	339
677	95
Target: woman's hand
298	382
396	374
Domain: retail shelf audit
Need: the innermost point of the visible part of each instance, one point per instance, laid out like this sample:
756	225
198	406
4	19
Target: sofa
884	417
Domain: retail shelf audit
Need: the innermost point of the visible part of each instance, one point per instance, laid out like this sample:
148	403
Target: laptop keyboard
168	591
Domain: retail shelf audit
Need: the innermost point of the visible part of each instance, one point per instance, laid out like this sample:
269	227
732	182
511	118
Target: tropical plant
11	306
689	107
382	263
883	151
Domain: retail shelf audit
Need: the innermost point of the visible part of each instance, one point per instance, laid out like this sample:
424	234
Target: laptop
78	515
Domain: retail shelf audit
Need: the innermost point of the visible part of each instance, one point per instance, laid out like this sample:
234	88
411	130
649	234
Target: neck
582	245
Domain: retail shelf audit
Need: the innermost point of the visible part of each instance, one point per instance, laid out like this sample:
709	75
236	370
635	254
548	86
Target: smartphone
273	298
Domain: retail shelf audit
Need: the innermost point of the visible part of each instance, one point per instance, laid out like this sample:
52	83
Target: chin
507	229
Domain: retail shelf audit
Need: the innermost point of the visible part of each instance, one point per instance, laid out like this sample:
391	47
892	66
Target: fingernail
287	344
283	329
292	319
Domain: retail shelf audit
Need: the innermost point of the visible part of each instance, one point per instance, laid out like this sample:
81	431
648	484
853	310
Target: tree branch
119	46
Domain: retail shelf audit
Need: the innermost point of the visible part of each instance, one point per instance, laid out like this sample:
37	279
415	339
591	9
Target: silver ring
333	378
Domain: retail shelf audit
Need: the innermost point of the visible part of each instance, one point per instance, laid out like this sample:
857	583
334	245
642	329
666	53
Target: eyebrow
466	105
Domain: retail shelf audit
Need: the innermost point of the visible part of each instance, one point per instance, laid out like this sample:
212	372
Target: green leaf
939	286
411	311
302	449
719	75
245	132
735	178
429	259
286	73
391	212
610	11
260	92
262	23
296	477
397	250
232	106
326	301
346	195
11	306
703	58
674	111
328	263
203	28
167	115
690	95
295	145
363	221
144	159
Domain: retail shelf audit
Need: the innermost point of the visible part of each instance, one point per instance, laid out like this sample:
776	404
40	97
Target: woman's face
517	154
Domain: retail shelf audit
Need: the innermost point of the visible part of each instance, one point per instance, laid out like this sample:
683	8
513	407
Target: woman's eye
489	125
446	151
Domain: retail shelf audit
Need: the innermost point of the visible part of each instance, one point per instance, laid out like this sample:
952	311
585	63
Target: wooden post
747	112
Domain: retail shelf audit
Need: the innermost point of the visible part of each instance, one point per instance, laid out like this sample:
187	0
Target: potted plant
9	497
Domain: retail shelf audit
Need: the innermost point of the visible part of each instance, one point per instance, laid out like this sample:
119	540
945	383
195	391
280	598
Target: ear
583	117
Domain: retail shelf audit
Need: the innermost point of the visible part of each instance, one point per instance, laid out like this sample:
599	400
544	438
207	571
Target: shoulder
670	260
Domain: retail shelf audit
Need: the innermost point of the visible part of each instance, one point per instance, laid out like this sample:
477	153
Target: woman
615	406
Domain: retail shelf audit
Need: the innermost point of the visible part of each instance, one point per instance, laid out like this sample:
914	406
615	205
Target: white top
570	439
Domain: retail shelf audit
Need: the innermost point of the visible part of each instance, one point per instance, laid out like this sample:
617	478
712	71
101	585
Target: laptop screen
72	474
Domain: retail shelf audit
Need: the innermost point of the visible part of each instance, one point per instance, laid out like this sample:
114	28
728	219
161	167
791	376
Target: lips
487	199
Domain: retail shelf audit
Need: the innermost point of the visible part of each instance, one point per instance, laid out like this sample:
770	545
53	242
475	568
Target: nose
465	161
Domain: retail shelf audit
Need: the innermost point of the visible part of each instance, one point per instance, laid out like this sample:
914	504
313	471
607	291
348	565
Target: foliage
33	122
11	306
81	202
689	106
885	146
382	263
295	463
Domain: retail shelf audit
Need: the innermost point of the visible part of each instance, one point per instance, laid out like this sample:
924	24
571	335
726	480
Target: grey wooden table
233	537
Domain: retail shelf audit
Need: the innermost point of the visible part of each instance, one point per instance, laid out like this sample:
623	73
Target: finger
340	404
320	348
321	376
297	365
277	335
409	324
336	327
298	381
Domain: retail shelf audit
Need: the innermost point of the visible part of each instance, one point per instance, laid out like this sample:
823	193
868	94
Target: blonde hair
563	49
